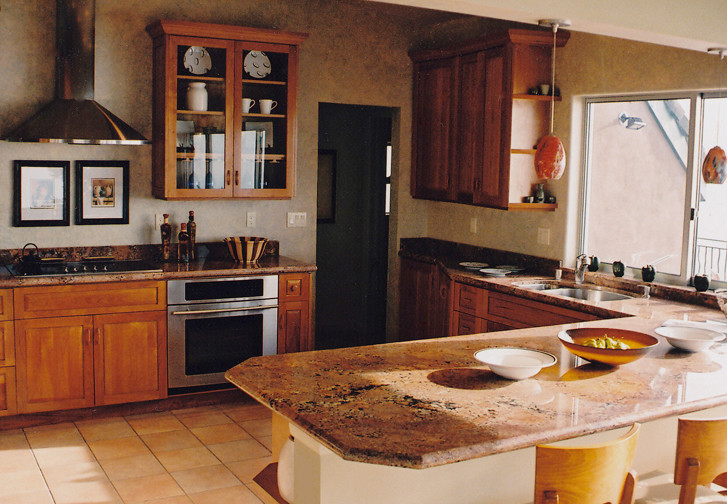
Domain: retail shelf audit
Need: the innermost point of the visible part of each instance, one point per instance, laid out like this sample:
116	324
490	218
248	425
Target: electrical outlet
251	218
158	220
473	225
297	219
544	236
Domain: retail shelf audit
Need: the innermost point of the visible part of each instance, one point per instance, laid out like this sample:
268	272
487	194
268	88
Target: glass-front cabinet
224	111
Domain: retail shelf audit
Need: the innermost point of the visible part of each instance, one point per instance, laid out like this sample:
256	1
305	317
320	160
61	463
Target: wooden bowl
247	249
639	344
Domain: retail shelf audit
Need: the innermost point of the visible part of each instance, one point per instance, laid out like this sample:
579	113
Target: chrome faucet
582	263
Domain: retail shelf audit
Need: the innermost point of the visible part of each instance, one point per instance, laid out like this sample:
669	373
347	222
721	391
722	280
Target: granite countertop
427	403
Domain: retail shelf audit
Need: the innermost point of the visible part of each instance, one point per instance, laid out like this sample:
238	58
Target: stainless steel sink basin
588	294
538	286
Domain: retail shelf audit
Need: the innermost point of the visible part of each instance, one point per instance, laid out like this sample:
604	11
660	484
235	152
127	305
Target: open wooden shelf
547	207
534	97
192	155
258	115
265	485
266	157
195	112
523	151
267	83
200	78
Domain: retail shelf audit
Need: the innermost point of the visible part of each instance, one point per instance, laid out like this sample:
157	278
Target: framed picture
41	193
102	192
326	185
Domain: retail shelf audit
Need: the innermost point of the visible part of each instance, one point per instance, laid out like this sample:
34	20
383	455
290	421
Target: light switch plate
158	220
544	236
473	225
251	219
297	219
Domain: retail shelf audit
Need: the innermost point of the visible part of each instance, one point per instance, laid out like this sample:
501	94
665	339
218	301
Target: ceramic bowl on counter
515	363
690	339
639	344
246	249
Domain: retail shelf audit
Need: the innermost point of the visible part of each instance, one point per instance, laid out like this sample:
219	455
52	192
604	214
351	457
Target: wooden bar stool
594	474
701	459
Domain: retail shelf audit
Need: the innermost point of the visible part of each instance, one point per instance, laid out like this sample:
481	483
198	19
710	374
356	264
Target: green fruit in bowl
593	265
618	269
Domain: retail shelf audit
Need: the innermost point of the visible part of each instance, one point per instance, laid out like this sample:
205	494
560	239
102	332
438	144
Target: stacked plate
473	266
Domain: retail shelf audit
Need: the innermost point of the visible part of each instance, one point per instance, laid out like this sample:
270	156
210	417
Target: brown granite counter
427	403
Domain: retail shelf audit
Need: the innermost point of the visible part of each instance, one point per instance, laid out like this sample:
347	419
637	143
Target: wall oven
216	323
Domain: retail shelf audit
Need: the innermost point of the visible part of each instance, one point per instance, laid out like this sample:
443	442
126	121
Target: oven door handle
225	310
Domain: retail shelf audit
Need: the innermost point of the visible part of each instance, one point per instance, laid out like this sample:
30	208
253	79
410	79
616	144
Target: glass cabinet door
264	120
203	117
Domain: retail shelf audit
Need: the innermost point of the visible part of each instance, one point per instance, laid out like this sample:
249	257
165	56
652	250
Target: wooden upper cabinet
223	150
434	113
475	126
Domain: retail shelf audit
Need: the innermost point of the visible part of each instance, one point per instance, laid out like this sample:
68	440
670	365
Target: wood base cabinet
425	301
294	313
104	356
8	404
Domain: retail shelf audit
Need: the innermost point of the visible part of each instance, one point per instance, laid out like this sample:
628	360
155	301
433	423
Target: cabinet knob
237	178
227	177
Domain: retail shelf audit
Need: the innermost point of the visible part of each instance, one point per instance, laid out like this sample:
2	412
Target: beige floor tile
132	467
247	412
21	482
215	434
36	497
19	459
266	441
231	495
179	499
187	458
48	436
118	448
74	473
13	440
155	422
147	488
195	411
205	419
258	428
201	479
105	428
63	455
246	470
85	492
171	440
238	450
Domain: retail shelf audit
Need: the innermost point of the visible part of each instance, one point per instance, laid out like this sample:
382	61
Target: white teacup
266	106
247	104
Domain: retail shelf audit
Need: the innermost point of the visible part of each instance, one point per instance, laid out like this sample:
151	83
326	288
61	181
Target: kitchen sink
538	286
588	294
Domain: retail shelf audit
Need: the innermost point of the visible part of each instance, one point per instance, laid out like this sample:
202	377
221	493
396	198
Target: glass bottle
192	231
166	230
183	244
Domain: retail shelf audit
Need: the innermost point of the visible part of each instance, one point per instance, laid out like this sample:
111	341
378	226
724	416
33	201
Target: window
643	197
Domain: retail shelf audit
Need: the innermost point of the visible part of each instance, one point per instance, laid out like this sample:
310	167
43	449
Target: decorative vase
286	466
618	269
197	97
701	282
648	273
539	194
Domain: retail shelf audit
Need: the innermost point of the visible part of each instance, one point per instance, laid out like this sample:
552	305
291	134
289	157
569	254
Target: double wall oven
216	323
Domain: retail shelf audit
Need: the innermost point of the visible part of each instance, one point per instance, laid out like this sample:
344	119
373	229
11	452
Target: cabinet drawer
7	344
8	402
85	299
471	300
294	287
6	304
520	312
464	323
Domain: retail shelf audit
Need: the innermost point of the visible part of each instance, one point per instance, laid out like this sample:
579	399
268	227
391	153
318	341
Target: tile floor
200	455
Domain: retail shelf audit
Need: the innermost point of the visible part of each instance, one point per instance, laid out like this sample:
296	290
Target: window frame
689	235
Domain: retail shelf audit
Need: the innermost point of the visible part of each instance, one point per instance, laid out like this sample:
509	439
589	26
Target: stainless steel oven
216	323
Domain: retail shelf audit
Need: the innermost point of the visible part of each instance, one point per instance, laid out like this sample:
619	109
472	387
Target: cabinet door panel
130	357
415	294
469	299
434	113
520	312
54	363
6	304
7	344
293	330
294	287
8	404
470	126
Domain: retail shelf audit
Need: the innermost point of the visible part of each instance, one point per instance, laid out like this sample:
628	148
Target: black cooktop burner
62	268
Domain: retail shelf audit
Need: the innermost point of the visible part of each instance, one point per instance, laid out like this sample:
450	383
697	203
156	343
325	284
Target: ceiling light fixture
714	167
550	153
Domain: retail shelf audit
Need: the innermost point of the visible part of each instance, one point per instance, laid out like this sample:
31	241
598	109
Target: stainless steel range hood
74	116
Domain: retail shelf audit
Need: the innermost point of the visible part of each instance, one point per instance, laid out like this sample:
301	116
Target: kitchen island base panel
323	477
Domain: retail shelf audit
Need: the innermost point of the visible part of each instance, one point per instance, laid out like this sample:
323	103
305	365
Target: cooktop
62	268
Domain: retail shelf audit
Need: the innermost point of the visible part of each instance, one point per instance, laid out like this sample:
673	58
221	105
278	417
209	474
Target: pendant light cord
721	97
552	80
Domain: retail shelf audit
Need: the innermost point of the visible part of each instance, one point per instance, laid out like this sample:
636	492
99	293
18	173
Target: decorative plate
473	265
257	65
197	60
494	272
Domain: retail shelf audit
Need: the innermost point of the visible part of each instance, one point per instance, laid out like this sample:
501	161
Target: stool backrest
705	441
595	474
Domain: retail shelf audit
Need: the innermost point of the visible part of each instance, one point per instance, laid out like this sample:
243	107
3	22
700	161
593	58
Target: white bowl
515	363
690	339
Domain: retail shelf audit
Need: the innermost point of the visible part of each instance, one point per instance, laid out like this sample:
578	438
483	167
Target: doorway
354	143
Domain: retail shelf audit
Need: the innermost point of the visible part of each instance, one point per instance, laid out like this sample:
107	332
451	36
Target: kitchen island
422	421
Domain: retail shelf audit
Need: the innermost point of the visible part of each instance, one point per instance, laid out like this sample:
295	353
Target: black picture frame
102	192
326	206
41	193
